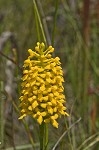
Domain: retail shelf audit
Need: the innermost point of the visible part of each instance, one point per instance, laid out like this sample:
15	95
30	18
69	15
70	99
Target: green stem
46	136
39	20
43	136
1	117
44	23
37	24
55	17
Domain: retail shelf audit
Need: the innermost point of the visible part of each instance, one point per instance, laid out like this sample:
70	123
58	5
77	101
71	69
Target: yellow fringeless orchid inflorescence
42	90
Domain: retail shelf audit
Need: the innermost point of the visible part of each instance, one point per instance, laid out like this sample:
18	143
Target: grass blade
1	117
65	133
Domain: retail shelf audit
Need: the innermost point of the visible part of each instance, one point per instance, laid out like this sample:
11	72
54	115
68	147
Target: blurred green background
72	28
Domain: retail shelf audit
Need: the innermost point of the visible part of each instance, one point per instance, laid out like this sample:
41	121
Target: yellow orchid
42	90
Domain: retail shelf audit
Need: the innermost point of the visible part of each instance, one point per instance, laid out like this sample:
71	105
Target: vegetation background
72	28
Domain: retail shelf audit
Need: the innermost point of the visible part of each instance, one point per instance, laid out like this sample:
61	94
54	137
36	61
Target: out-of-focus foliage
76	37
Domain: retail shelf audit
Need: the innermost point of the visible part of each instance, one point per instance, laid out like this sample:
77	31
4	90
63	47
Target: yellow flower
42	90
40	119
54	123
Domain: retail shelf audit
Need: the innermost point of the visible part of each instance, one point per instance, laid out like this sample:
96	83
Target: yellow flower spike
40	119
34	75
35	87
54	117
51	50
23	91
26	92
38	113
34	115
38	79
43	45
40	70
32	54
27	61
57	60
62	101
46	120
22	116
49	90
42	90
38	43
48	67
27	85
30	99
34	104
38	84
40	96
21	98
23	84
63	113
48	50
48	74
54	70
50	110
51	95
60	90
54	123
48	80
23	111
42	75
32	82
42	57
54	102
55	93
45	98
55	109
25	71
61	96
48	55
30	108
50	47
43	105
44	114
37	48
49	103
54	88
53	81
24	77
53	64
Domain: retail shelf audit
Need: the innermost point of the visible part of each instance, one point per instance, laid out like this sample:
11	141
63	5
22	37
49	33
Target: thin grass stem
39	19
87	140
92	143
23	147
69	137
44	23
25	125
1	117
65	133
37	24
55	18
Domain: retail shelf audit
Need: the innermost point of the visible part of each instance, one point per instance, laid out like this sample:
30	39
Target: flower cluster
42	90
